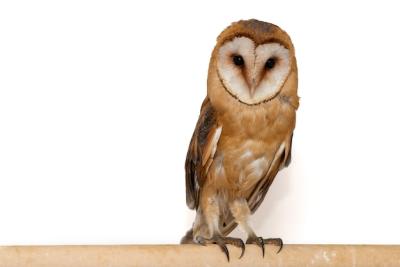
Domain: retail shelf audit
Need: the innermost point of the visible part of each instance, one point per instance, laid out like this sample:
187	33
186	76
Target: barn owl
243	136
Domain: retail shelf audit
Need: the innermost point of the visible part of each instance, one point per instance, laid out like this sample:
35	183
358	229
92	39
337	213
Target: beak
253	86
252	81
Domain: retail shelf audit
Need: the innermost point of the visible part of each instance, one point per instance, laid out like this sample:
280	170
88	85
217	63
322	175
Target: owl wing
201	152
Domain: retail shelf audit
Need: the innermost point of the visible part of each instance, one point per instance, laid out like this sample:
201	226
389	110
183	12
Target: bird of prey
243	136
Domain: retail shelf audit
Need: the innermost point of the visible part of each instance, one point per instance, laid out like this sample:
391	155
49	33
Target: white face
253	74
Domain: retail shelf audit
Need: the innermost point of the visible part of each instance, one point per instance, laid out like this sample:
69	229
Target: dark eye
270	63
238	60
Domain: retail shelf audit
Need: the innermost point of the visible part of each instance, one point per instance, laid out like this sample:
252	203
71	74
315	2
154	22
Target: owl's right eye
238	60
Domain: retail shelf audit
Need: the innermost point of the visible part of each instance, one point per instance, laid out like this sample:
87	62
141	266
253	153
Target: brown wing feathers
198	157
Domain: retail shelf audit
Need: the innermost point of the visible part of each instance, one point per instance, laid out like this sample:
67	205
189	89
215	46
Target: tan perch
193	255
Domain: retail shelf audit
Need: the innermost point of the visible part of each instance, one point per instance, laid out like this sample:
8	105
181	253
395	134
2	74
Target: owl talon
222	242
259	241
276	242
223	248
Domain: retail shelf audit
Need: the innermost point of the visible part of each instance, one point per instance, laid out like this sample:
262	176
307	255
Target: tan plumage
244	132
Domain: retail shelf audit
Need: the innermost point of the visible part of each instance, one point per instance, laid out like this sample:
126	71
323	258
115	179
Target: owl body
248	144
244	133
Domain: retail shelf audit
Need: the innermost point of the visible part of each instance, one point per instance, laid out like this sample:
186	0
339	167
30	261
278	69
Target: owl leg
241	212
211	215
199	229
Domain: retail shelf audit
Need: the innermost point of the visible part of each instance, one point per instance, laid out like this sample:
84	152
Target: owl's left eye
270	63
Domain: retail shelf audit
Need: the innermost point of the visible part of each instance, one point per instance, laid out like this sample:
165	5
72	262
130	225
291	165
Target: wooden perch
192	255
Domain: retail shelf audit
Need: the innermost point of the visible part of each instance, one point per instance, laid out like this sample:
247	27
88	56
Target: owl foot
222	242
259	241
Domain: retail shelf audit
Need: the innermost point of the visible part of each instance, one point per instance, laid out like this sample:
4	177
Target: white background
98	101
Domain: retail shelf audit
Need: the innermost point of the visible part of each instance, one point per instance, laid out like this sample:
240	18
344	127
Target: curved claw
237	242
222	242
223	248
243	247
280	246
262	245
276	242
259	241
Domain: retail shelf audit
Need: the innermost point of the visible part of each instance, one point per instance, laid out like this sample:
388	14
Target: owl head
251	64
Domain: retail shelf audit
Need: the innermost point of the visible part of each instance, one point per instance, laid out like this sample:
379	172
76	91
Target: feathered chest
249	145
243	164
